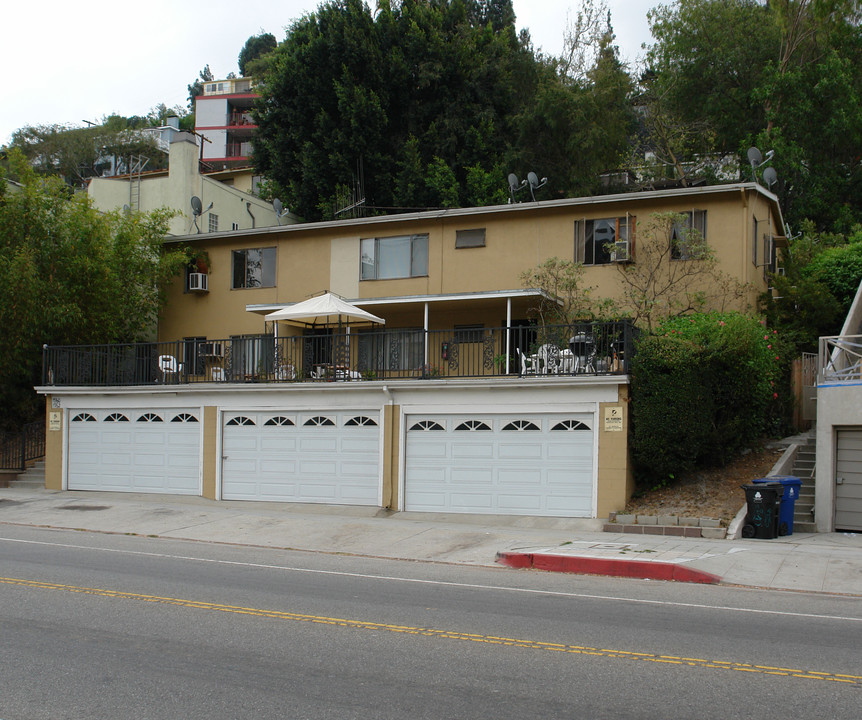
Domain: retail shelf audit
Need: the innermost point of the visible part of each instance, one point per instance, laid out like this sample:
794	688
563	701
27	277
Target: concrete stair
33	476
803	468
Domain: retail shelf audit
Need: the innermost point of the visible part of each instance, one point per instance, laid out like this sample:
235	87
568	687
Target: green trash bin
763	501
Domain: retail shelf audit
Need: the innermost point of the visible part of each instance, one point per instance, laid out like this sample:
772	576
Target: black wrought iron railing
18	448
467	352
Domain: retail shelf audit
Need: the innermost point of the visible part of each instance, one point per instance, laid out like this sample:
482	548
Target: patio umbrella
325	311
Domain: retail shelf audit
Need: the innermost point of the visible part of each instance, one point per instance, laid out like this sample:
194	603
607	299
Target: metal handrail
550	350
840	359
17	448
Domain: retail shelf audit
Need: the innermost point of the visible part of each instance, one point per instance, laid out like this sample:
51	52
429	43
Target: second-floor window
602	241
254	268
401	256
688	245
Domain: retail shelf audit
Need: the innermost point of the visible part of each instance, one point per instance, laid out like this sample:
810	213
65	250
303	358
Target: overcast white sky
69	62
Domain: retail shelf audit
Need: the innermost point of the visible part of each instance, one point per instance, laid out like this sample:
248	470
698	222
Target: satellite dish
535	183
513	181
197	206
755	157
277	206
770	177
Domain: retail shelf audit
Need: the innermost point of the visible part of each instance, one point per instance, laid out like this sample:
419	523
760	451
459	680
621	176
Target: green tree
71	275
784	75
197	87
674	273
76	154
423	83
255	47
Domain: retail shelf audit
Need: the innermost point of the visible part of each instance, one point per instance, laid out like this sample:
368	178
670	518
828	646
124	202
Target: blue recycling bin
792	486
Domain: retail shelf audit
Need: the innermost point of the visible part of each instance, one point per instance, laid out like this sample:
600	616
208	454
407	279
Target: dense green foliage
429	104
822	273
70	275
76	154
255	47
703	387
785	76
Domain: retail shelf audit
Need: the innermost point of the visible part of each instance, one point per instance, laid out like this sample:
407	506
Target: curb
605	566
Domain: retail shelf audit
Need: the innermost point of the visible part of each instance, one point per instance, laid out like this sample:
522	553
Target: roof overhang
383	302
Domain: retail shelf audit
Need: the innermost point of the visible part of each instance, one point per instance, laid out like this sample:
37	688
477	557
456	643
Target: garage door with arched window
519	464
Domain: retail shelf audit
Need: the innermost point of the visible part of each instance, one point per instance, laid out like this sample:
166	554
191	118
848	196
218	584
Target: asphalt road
111	626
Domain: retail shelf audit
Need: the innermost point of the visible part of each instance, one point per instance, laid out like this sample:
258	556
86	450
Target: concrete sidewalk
809	562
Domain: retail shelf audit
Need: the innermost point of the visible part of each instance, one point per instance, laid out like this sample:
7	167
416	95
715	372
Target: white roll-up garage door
848	479
514	464
312	457
142	450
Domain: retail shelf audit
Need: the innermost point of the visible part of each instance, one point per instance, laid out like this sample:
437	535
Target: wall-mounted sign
613	419
55	420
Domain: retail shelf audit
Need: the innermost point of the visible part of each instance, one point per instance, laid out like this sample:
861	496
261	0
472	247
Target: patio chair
285	372
528	366
218	374
169	367
549	359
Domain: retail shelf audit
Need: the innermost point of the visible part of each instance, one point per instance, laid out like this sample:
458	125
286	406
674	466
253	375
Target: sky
70	62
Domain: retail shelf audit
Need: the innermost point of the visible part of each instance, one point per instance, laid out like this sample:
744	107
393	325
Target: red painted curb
606	566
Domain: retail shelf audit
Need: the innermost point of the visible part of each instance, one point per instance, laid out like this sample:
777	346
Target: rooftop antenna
198	210
515	186
535	183
770	177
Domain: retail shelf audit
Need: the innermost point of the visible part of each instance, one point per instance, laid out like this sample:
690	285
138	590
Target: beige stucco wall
325	256
209	469
54	447
616	479
175	189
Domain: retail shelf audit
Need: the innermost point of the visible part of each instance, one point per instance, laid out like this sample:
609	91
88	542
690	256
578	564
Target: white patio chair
549	359
169	367
218	374
285	372
528	366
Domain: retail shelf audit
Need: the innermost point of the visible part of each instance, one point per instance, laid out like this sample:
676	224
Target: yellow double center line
446	634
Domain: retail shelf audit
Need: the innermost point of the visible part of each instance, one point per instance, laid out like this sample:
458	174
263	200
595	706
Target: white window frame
374	250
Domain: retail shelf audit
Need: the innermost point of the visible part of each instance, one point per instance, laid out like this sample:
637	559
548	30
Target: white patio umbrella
324	311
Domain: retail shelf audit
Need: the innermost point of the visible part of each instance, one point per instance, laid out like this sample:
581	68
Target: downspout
248	210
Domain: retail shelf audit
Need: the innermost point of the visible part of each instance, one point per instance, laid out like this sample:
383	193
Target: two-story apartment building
456	401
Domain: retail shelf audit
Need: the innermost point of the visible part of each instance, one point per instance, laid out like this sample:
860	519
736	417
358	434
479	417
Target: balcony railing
840	359
525	351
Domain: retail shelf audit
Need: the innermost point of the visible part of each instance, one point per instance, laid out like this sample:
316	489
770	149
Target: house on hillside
223	118
225	198
452	398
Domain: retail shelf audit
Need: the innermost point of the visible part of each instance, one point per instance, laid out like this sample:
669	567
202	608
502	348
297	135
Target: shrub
704	386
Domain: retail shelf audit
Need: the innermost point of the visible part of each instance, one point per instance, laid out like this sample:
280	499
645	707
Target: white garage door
848	475
326	457
536	464
154	451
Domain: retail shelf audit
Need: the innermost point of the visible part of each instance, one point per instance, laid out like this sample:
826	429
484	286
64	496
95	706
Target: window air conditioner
212	349
198	282
621	251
